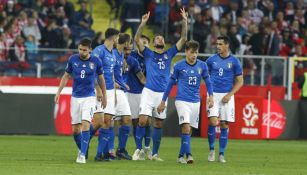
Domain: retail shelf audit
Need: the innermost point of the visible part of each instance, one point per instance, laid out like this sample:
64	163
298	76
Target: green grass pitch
30	155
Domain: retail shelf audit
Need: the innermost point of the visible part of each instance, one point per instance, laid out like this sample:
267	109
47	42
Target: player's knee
224	124
158	123
185	128
126	120
76	130
213	121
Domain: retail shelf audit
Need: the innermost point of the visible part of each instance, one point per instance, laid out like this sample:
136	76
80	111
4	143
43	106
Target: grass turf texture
28	155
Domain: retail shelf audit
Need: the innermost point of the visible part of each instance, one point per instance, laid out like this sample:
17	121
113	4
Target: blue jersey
223	72
84	74
108	62
135	63
158	68
188	78
119	69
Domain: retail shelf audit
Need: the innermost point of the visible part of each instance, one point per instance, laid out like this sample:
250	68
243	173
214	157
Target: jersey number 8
221	72
82	74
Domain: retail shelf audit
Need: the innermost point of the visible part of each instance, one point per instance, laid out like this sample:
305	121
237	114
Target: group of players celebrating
113	83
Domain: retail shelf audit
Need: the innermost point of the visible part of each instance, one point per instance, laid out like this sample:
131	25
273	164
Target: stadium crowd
255	27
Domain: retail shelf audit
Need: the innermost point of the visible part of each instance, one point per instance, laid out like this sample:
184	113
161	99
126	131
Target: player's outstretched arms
138	34
184	30
63	82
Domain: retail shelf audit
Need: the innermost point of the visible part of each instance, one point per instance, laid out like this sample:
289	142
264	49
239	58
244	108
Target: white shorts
82	109
226	111
99	108
122	107
150	100
110	108
134	103
188	112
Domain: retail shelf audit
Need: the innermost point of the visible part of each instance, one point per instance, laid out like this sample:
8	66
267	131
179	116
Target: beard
158	46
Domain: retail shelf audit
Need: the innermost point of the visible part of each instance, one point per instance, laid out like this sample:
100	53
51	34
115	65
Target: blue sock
92	131
134	133
119	137
140	132
111	139
124	136
85	140
156	138
147	135
186	139
77	139
211	136
223	140
103	139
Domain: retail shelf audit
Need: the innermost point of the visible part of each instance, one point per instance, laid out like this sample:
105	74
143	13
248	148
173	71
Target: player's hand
226	98
99	97
184	14
145	17
56	98
104	101
161	107
117	86
210	101
127	87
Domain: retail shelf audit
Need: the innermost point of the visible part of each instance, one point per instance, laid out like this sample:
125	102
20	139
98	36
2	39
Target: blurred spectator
281	23
234	11
68	7
234	41
68	41
254	14
10	8
3	48
217	10
83	21
18	53
272	41
32	29
52	36
98	40
212	39
32	48
289	11
131	13
200	32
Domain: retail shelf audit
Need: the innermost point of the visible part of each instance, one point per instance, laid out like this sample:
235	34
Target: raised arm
138	34
63	83
184	30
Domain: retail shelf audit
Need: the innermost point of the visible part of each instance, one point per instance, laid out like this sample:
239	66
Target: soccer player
105	53
227	78
158	63
83	68
122	108
135	79
187	75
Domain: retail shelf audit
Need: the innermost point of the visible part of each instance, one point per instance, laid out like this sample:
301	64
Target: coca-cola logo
276	121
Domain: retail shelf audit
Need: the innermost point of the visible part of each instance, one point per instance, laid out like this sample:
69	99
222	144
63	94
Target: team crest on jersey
199	71
91	65
165	56
229	65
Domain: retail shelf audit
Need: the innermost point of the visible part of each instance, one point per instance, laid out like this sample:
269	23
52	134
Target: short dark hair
123	38
158	34
86	42
110	32
146	37
224	38
192	44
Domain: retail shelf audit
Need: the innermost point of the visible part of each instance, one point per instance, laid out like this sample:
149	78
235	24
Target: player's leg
212	123
134	103
87	109
158	123
103	137
146	107
75	112
227	115
147	139
109	152
123	134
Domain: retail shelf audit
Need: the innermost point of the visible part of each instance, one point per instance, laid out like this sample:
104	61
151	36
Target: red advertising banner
62	117
248	122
